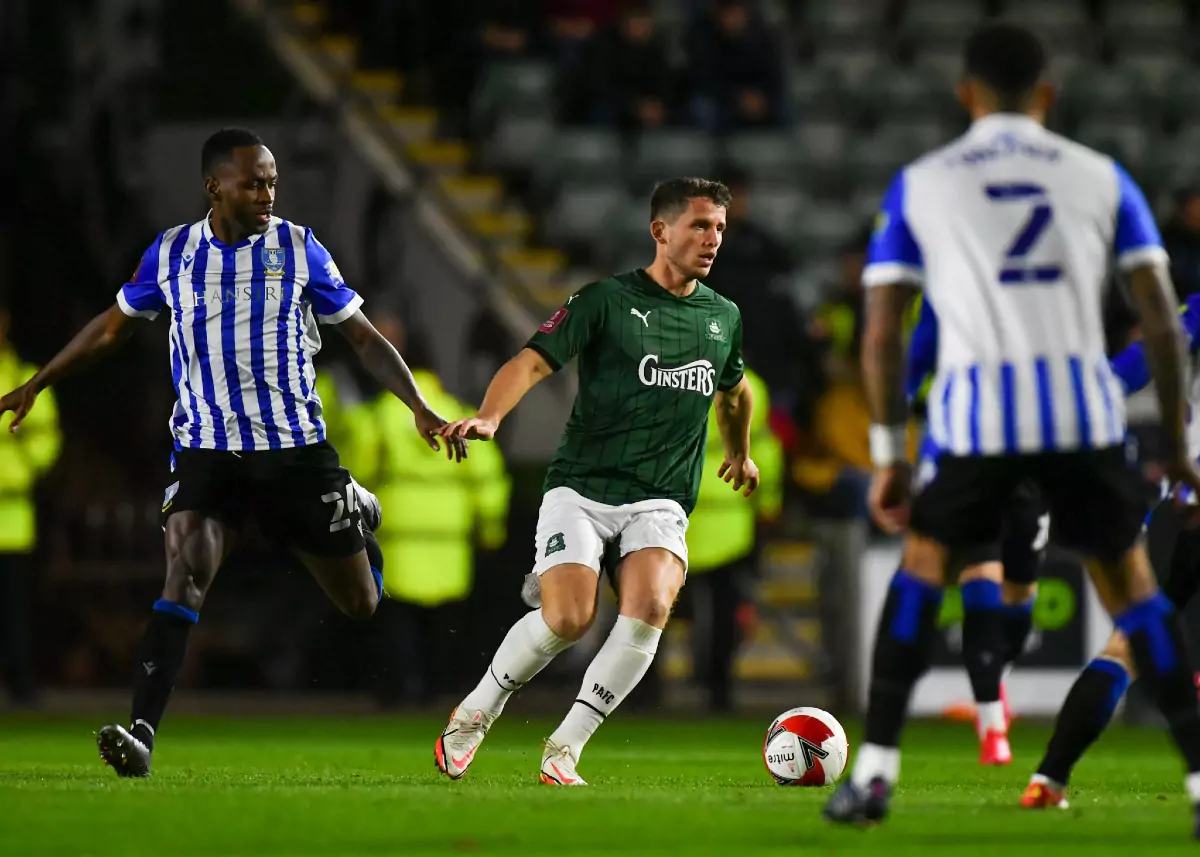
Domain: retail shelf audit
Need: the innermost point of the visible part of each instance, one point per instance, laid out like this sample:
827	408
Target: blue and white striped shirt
242	331
1009	230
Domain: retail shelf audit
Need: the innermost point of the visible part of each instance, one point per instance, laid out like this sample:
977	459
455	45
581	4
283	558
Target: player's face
693	239
243	190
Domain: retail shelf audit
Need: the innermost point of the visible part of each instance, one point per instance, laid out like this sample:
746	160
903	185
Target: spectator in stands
737	69
838	324
1181	234
628	80
754	271
573	24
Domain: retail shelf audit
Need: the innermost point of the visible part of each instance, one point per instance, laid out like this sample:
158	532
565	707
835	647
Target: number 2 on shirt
1016	270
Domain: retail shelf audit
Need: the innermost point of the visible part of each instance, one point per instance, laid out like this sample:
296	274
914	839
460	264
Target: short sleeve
572	326
893	254
735	365
1136	240
141	297
332	300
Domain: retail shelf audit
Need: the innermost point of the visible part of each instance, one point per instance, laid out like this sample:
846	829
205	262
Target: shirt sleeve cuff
131	311
344	313
891	273
1138	257
555	365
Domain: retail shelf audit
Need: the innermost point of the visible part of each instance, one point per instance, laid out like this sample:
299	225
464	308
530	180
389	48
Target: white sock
1056	786
527	648
615	671
876	761
1193	787
990	715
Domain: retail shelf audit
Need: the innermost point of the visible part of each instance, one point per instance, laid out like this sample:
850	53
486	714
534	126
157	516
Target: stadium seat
1096	89
1124	141
513	87
1181	94
1058	22
816	91
664	154
941	24
581	211
897	92
823	228
776	208
1146	23
763	155
578	155
517	142
625	229
844	21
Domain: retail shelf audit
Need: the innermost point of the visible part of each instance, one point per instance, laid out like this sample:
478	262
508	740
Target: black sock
983	638
1160	655
1085	713
159	659
1018	622
903	643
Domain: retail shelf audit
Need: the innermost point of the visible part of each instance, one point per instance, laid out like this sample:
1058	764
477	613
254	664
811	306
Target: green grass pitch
367	786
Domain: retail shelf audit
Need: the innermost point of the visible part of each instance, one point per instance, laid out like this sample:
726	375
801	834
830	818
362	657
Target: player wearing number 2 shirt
656	348
1008	231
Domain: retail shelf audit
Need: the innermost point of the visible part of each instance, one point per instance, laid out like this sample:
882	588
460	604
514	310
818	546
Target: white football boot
455	749
558	767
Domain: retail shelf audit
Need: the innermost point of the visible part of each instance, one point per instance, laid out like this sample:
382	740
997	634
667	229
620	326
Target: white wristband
889	444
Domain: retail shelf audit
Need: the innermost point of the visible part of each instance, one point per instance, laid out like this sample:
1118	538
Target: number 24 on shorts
343	509
1017	270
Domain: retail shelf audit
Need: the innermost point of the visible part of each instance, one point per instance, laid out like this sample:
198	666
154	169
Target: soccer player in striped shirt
1009	230
244	291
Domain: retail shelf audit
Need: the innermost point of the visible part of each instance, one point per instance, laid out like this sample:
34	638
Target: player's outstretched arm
1166	351
516	378
386	366
884	371
100	336
734	409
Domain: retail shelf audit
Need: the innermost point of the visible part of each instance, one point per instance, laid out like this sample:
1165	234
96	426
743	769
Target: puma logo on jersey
645	317
696	377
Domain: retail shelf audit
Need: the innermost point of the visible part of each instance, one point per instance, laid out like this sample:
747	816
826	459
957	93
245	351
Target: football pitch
367	786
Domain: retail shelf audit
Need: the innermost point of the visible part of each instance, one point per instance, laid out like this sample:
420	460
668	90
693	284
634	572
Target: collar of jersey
650	285
1005	122
211	238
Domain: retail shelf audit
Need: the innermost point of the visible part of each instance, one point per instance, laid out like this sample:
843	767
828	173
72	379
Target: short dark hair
671	197
218	149
1008	58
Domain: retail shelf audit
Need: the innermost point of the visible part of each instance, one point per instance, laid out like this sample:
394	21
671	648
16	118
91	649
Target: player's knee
925	560
361	605
1117	650
1018	593
569	619
187	581
992	571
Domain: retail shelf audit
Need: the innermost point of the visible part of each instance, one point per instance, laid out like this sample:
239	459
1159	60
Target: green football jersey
649	366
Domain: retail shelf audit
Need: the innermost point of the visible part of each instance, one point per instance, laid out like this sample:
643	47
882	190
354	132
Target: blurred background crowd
470	164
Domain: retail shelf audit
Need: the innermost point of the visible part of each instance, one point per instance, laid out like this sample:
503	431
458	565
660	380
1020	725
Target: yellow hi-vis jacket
722	526
24	456
434	510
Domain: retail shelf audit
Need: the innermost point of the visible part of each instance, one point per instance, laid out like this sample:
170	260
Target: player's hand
430	425
1183	473
740	471
19	401
475	428
890	498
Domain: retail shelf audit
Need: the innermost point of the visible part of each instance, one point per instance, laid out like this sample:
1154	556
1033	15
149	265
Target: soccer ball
805	747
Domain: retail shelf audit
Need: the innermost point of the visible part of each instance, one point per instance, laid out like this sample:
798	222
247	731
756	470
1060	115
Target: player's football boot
558	767
369	506
455	749
863	807
994	748
125	754
1042	795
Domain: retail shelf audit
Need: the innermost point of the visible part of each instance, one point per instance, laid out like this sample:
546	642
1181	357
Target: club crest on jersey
335	276
713	331
273	259
556	543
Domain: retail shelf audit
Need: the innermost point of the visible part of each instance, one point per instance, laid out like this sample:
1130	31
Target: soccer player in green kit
656	349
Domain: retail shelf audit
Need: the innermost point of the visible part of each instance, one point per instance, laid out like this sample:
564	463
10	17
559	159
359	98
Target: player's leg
1084	715
961	507
196	546
649	579
1097	508
983	650
1092	700
568	547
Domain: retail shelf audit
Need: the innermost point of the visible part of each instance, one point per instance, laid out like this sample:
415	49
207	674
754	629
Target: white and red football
805	747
